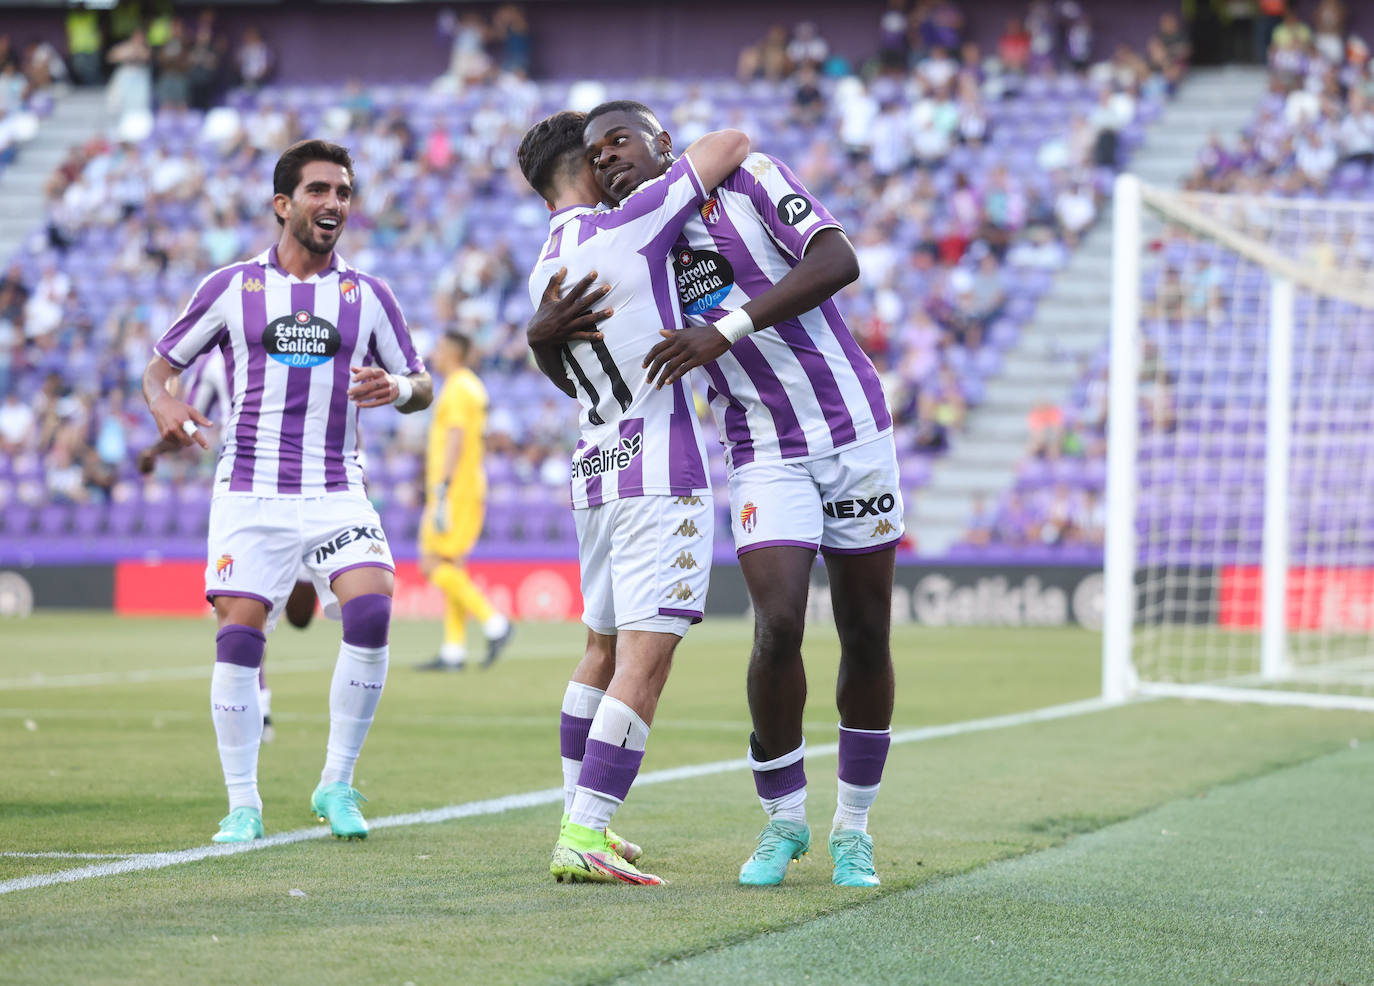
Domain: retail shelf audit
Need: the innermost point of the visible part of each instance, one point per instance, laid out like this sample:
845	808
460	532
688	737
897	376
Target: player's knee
367	620
777	637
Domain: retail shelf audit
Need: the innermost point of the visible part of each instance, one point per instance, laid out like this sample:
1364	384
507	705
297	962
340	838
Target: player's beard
308	235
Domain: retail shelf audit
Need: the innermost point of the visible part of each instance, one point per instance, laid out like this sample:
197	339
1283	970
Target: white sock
592	809
580	701
453	653
265	701
495	626
791	807
619	725
851	806
359	675
237	716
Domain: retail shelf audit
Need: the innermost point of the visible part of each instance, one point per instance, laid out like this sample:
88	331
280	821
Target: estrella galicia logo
704	278
301	340
793	208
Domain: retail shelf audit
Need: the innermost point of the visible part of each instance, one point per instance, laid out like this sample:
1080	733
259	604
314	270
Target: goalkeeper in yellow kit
455	501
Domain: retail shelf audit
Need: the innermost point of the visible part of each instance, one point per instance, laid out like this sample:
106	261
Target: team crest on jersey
710	211
301	339
349	289
749	517
704	278
224	567
252	285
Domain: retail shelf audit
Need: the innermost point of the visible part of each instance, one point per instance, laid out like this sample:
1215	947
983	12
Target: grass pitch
1036	853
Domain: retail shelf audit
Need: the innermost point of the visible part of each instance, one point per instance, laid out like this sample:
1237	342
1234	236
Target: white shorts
846	503
329	603
260	545
646	562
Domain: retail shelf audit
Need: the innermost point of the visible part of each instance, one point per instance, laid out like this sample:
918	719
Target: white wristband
734	325
404	389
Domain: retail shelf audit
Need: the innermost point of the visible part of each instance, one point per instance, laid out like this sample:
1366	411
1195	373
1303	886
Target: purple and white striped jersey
802	388
287	346
635	440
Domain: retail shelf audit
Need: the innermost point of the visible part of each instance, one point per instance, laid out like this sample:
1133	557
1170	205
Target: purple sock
572	736
863	752
366	620
774	784
609	770
241	645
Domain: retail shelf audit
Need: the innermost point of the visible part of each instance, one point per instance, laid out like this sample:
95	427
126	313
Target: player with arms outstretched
302	335
810	459
640	490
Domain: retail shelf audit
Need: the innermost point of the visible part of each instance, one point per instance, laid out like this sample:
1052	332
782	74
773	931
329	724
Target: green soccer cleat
627	849
583	855
337	804
852	852
240	825
780	842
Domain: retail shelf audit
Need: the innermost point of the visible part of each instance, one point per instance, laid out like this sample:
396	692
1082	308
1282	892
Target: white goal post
1240	449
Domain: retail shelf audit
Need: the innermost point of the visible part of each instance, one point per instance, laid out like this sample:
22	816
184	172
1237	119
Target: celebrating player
640	491
300	332
457	491
810	459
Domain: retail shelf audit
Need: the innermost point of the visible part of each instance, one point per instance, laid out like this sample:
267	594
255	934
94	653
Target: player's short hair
650	119
550	148
287	174
459	339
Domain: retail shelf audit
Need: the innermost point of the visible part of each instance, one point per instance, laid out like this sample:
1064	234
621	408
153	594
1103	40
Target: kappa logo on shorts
861	506
224	568
681	592
350	536
685	560
688	501
749	517
688	529
375	549
884	526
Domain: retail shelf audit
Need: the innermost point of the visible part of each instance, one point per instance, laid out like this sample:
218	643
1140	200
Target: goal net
1240	497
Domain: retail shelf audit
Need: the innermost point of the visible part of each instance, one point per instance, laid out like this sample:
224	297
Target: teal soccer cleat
780	842
240	825
852	852
337	804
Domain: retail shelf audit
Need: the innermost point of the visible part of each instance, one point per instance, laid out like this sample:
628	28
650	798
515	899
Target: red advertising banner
526	590
1339	599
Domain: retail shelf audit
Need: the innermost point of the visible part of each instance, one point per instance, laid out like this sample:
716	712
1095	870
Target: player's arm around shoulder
716	155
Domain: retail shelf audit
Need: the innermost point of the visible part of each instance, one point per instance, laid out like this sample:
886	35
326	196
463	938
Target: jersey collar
564	216
268	258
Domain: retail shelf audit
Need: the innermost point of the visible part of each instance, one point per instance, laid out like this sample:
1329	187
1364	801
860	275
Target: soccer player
640	491
456	487
307	341
810	459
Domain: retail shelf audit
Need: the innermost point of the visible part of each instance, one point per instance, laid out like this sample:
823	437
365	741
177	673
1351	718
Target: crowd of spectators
964	180
1314	131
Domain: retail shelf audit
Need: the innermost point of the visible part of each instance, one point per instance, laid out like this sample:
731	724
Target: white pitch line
68	855
530	799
